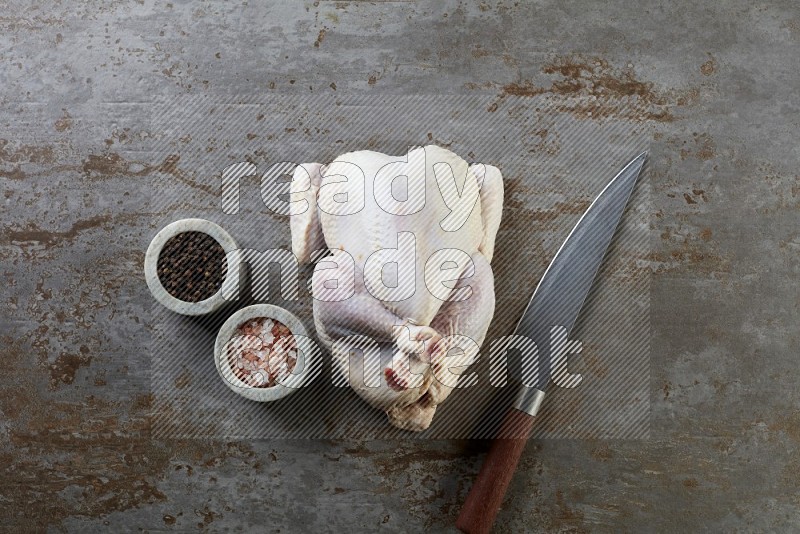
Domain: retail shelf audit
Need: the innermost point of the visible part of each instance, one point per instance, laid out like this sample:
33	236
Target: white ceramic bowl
151	266
307	358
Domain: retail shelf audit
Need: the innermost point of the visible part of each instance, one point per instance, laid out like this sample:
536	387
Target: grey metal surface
714	87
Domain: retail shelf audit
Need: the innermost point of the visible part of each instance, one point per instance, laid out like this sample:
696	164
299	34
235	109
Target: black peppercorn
191	266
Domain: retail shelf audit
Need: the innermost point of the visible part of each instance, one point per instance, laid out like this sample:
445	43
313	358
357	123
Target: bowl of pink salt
263	353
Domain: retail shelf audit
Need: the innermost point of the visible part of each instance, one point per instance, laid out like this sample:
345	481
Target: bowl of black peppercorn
186	266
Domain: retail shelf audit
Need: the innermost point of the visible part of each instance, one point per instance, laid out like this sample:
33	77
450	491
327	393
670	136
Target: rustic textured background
714	88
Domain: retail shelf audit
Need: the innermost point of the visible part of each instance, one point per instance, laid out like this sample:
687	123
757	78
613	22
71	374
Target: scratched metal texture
712	87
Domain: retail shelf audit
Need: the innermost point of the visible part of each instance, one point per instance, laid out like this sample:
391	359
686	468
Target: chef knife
556	302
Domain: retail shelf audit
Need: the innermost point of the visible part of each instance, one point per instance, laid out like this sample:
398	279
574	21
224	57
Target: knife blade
556	302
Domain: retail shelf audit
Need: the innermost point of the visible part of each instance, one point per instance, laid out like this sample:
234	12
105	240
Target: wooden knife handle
486	495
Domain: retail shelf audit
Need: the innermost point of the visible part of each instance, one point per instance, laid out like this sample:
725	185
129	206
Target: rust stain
479	52
691	483
143	401
700	261
576	207
789	424
523	89
593	363
42	293
695	195
613	91
602	454
100	380
207	515
709	67
170	166
183	380
65	367
596	77
111	164
548	143
14	174
49	238
26	153
704	148
406	461
426	467
567	514
320	37
64	123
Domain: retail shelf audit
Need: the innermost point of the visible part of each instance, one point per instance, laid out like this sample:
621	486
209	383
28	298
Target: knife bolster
529	400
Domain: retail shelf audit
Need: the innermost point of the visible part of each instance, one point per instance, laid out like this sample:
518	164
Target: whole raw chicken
406	245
